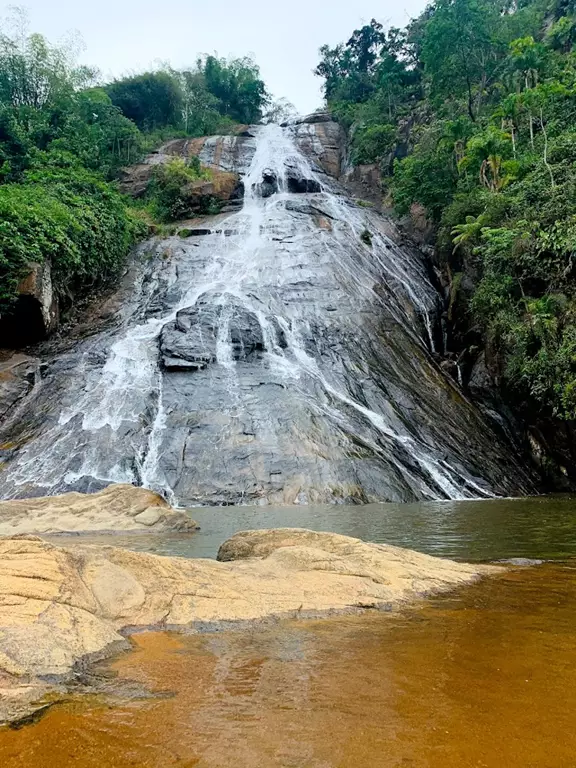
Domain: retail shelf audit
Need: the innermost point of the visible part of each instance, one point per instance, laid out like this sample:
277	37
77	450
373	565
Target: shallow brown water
485	677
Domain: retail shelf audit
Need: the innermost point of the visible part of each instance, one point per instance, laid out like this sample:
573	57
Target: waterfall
285	357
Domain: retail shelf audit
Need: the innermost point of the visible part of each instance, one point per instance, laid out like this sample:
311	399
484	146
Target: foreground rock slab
61	606
116	508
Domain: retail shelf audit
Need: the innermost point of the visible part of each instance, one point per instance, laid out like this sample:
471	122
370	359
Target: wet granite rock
297	184
189	342
246	336
18	375
324	144
268	186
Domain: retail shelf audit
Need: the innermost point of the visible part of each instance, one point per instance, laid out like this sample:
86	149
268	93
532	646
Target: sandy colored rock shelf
116	508
61	605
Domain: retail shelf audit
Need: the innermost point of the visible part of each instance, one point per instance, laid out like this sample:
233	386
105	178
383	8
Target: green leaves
68	217
477	100
151	100
372	142
170	190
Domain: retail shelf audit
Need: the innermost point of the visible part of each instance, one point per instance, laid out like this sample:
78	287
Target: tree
151	100
237	86
460	52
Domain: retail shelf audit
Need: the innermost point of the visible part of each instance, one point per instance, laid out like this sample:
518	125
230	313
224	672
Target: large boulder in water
63	605
116	508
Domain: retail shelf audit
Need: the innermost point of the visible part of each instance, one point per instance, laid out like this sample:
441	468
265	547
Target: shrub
172	190
71	218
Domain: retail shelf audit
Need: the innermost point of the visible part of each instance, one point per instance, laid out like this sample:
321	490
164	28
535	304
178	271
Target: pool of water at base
541	527
483	677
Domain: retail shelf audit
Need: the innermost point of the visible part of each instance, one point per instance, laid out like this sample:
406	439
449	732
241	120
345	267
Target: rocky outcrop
36	312
18	374
116	508
223	185
323	141
189	342
225	156
61	605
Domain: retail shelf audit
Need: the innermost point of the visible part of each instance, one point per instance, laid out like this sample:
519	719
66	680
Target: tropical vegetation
64	136
471	112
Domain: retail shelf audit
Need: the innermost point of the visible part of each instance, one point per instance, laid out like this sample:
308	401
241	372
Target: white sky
284	37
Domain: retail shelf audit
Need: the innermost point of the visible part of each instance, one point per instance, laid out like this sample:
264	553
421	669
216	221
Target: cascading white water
130	422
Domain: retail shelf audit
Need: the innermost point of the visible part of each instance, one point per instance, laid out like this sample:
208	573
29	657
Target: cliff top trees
151	100
476	99
63	137
197	100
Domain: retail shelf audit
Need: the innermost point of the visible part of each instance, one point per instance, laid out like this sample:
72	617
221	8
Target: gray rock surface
286	356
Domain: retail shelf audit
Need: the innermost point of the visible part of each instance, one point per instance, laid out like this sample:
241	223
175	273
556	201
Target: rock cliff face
59	606
282	354
223	184
37	311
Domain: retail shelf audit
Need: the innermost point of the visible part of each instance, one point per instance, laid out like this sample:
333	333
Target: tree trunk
546	163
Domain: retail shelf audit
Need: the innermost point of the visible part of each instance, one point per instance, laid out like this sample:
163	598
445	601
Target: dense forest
471	112
64	135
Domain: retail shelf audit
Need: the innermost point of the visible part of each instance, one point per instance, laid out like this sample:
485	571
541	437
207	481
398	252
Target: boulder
61	605
298	184
189	342
268	186
116	508
36	312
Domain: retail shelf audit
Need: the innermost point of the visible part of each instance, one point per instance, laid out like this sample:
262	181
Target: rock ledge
116	508
60	606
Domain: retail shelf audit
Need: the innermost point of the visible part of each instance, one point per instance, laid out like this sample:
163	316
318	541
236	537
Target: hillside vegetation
471	113
63	138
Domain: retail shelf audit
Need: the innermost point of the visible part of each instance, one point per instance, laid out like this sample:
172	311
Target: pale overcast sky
130	35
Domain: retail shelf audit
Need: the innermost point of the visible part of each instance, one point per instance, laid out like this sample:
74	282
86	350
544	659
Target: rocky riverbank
116	508
62	607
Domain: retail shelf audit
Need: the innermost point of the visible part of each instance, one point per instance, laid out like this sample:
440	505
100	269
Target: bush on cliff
210	97
476	99
63	139
172	190
69	216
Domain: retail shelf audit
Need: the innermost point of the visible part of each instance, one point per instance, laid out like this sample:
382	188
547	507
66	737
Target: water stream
284	358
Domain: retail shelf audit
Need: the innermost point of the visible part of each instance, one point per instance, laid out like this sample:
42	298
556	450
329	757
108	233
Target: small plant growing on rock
366	238
174	189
